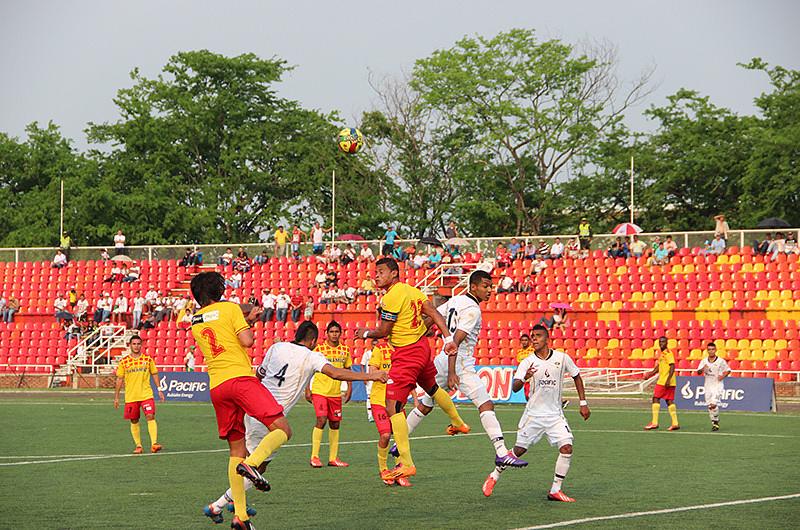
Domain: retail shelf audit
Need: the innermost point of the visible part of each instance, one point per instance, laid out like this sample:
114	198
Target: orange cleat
138	450
452	430
651	426
156	448
674	428
399	471
338	463
388	481
559	496
315	461
488	486
403	482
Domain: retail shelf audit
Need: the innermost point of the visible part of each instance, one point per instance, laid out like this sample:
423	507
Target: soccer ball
350	140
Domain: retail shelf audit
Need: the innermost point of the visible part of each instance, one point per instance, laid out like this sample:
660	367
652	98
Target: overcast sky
64	60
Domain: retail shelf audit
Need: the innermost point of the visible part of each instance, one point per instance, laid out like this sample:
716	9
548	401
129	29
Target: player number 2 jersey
463	313
215	329
137	372
286	371
339	356
547	382
713	371
402	304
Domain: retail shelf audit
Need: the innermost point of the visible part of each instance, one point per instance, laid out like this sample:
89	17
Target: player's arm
521	376
725	374
585	412
158	386
117	388
429	310
452	378
671	372
342	374
700	368
384	329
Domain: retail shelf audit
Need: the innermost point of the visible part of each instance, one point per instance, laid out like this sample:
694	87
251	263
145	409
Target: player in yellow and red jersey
223	334
135	371
665	386
326	396
402	313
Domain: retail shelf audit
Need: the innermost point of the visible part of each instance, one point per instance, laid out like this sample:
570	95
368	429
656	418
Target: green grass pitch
617	469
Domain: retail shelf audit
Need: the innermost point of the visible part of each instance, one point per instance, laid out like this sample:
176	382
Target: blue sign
755	394
183	386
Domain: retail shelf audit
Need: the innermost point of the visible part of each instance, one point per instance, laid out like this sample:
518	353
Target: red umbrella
626	229
350	237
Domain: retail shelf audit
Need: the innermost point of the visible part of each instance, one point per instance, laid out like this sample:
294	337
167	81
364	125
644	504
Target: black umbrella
773	222
430	240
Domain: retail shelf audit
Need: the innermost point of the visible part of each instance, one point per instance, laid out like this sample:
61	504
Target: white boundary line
660	512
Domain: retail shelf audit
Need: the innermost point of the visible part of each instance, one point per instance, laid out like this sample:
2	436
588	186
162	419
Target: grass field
65	463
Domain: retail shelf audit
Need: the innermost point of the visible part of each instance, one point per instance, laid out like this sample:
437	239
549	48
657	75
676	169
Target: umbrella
350	237
457	242
560	305
121	257
626	229
773	222
430	240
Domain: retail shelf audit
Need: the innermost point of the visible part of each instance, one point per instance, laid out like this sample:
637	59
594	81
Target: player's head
208	287
307	335
662	342
135	344
480	285
525	340
540	336
333	332
387	272
711	348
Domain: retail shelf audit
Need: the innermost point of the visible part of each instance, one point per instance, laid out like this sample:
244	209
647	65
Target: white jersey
712	371
286	371
463	313
547	382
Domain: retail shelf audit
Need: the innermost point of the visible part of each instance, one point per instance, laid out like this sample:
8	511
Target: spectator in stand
160	309
762	247
455	267
297	238
451	231
66	244
638	247
185	319
120	310
419	261
335	254
435	259
2	306
192	257
721	227
317	236
777	245
791	244
326	296
654	245
119	243
242	263
325	257
537	266
367	286
350	293
501	256
268	303
349	255
59	260
331	278
660	256
585	236
252	299
282	305
138	306
308	312
530	251
179	304
150	297
61	312
514	249
543	250
573	248
104	306
12	306
115	275
506	284
557	250
234	280
188	360
671	246
262	258
72	298
296	256
558	320
613	251
388	241
398	253
529	284
366	254
104	255
717	245
133	274
410	252
281	236
319	278
227	258
296	304
82	308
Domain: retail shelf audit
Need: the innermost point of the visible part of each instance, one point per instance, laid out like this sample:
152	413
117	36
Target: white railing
97	345
615	380
438	276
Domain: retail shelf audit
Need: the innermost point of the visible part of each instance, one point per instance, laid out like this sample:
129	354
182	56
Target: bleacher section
748	304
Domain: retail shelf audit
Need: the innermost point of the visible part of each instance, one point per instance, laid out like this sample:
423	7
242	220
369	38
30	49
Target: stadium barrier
183	386
754	394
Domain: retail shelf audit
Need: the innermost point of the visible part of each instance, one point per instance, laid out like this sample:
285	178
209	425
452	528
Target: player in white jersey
463	316
286	371
716	370
545	369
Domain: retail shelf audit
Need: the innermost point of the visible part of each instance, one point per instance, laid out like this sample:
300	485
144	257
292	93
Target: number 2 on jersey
211	337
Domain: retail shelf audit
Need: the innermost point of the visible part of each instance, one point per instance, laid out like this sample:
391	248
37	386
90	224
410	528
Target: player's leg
334	422
402	381
260	404
320	404
427	380
238	452
672	408
149	408
131	412
394	407
562	468
656	408
519	449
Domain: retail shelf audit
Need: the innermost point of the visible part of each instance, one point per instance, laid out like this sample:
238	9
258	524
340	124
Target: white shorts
714	394
531	429
469	384
254	432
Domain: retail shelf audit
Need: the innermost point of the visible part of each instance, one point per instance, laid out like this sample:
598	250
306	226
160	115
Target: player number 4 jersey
463	313
286	371
547	382
713	370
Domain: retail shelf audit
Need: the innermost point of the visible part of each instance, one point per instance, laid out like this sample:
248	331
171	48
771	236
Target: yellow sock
152	429
400	430
137	434
266	447
316	441
383	455
673	413
442	399
237	488
333	439
656	408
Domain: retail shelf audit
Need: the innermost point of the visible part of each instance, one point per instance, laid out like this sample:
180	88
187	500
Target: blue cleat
211	513
250	510
394	451
509	460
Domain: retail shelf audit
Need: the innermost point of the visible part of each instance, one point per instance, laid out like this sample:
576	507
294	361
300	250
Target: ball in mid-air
350	140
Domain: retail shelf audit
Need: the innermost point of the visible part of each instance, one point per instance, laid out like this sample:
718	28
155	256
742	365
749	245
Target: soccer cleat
403	482
388	481
714	425
250	510
338	463
394	451
559	496
315	461
399	471
509	459
252	474
156	448
138	450
452	430
488	486
674	428
238	524
651	426
214	515
564	403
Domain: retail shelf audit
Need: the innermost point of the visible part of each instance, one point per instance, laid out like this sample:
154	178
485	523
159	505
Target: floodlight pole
631	190
333	205
61	215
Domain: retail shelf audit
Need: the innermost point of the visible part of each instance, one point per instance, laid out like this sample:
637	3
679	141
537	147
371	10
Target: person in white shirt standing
138	307
545	369
715	369
120	309
119	243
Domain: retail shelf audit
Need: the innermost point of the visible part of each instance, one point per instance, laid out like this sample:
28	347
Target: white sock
496	473
495	432
714	414
369	408
227	497
413	419
562	467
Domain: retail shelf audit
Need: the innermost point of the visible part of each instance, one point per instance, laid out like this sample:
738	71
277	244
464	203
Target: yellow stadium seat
676	269
722	259
786	294
636	296
734	259
727	295
770	355
755	344
636	353
671	304
696	354
781	344
756	355
768	344
672	344
758	267
746	267
594	297
744	355
688	269
743	344
773	295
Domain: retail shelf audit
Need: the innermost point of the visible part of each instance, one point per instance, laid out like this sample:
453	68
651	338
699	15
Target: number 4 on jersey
280	375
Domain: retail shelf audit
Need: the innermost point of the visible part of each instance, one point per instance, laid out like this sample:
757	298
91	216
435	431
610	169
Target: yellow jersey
402	304
339	356
215	329
522	353
665	358
137	372
381	359
281	237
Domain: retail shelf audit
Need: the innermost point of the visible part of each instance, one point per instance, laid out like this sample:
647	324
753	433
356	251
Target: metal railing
96	346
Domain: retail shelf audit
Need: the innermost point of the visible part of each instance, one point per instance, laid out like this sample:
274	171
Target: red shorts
132	409
239	396
411	365
664	392
327	407
381	419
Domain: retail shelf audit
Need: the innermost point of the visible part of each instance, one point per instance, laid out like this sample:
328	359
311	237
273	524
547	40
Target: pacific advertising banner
755	394
183	386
